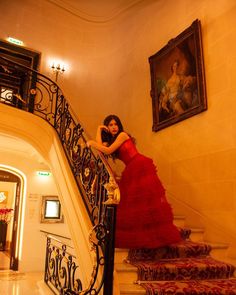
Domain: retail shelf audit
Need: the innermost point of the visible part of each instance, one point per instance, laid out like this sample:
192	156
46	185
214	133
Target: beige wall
22	134
28	164
109	73
195	157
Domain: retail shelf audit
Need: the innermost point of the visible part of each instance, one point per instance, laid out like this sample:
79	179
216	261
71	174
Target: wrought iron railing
28	90
62	272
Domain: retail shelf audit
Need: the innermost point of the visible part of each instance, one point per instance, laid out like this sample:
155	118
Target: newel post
113	194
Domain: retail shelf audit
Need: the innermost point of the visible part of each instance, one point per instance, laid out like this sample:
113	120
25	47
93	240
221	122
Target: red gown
144	217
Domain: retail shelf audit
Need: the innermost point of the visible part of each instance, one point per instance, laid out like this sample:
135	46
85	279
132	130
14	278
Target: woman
171	101
144	218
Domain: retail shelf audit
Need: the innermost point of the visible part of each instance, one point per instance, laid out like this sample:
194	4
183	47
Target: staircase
189	267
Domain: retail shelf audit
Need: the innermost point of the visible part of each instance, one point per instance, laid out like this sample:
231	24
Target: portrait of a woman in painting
177	79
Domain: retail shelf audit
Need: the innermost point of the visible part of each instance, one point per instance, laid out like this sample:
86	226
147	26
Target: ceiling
96	10
13	145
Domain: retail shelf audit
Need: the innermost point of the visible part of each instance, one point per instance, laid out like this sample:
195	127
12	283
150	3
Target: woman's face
175	66
113	127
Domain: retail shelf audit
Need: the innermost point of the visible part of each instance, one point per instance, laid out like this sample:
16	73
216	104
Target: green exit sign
15	41
44	173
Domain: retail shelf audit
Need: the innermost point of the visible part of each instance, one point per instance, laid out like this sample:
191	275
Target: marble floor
17	283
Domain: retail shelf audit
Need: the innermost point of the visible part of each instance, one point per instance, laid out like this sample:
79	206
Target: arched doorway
13	176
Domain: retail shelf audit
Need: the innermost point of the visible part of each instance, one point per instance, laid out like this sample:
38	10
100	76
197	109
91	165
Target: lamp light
59	69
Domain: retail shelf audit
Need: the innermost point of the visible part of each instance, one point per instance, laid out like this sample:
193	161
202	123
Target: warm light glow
52	209
58	67
58	64
15	41
2	197
44	173
21	216
15	289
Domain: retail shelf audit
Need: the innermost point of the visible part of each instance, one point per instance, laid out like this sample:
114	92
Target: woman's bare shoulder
123	135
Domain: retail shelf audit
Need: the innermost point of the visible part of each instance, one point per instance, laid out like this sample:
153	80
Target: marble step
127	273
194	234
121	255
219	250
179	220
197	234
131	289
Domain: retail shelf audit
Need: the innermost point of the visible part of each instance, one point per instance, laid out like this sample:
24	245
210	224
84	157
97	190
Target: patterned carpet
183	268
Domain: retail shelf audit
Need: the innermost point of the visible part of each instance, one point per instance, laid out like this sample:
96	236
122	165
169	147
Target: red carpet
183	268
193	287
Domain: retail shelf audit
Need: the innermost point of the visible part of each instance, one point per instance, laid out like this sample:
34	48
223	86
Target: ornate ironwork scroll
61	270
28	90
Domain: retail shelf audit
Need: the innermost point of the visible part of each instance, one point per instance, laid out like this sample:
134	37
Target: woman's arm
113	147
99	133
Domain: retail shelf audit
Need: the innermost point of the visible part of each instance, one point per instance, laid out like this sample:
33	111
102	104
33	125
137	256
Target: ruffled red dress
144	217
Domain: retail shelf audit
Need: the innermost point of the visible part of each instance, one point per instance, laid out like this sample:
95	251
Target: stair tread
220	286
179	217
185	248
127	267
187	265
175	264
192	261
217	245
121	250
139	282
196	229
199	268
132	289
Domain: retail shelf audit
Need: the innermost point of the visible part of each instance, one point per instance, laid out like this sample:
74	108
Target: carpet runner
182	268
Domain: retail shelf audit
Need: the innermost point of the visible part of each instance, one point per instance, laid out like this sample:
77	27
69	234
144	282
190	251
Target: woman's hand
99	133
90	143
111	148
103	127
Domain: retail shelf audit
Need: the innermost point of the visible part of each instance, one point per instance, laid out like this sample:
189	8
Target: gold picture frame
177	79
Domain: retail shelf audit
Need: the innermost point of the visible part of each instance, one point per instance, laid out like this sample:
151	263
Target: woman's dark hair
107	137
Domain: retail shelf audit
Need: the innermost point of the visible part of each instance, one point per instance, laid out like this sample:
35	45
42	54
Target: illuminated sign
15	41
44	173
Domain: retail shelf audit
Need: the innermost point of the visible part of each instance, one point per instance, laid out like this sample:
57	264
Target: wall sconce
59	69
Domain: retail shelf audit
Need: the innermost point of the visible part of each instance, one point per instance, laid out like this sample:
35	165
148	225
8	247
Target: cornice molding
85	16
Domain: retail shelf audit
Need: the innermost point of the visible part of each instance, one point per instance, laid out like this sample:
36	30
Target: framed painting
177	79
51	210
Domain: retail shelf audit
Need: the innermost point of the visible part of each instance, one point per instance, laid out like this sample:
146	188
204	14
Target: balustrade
28	90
